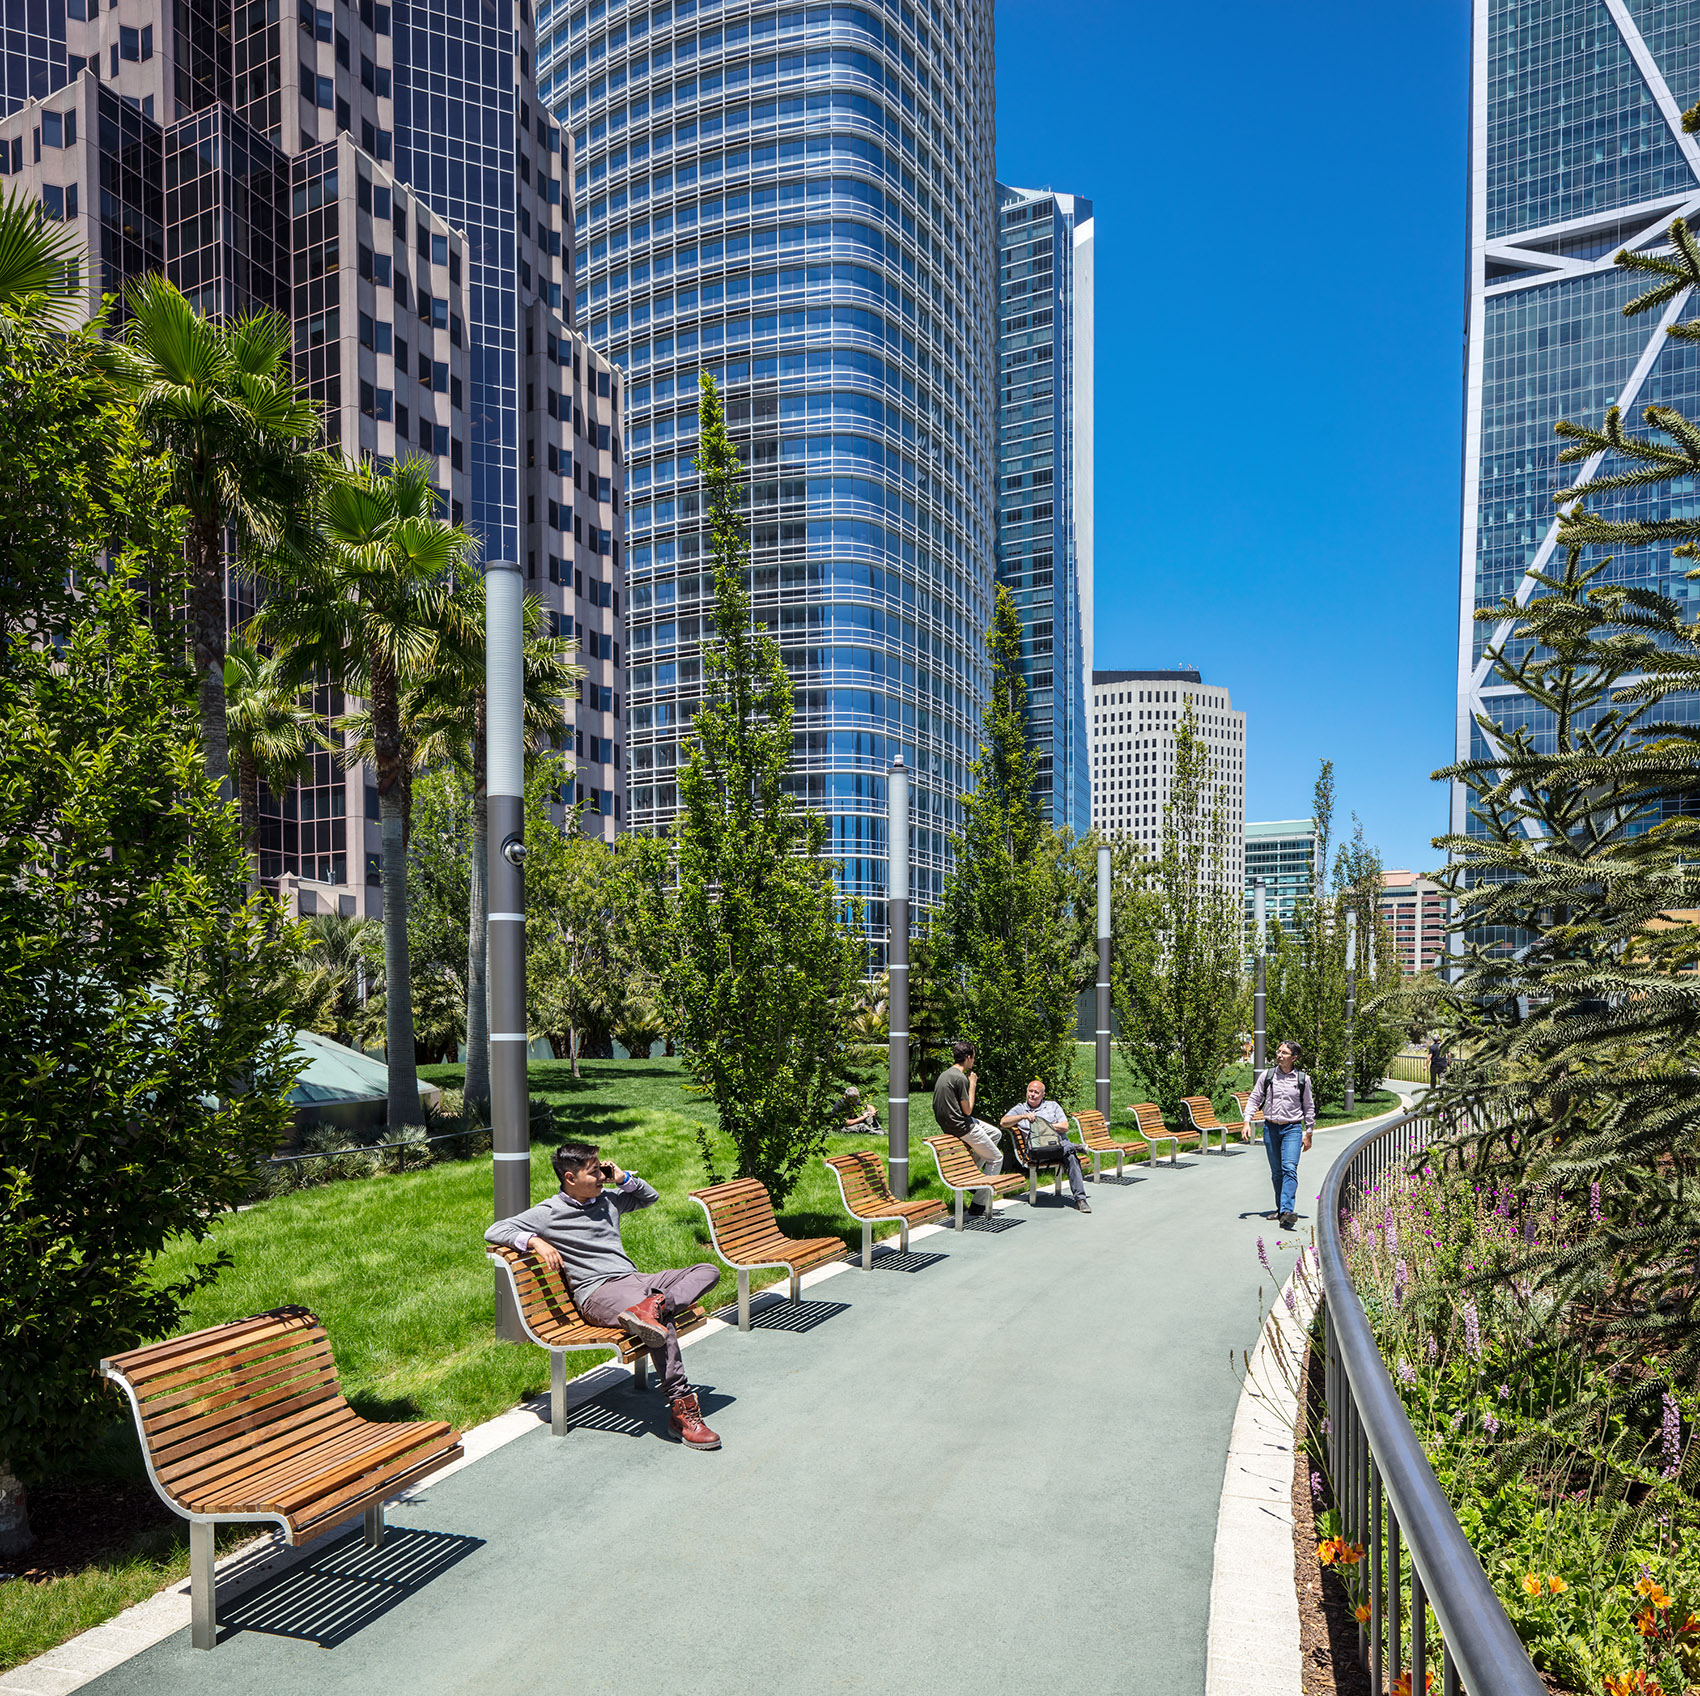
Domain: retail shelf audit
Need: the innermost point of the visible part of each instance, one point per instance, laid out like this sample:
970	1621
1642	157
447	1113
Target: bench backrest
957	1166
201	1397
1093	1130
1149	1116
862	1175
740	1217
545	1301
1202	1109
1243	1097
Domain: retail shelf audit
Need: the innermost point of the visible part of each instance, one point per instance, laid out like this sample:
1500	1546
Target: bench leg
557	1392
203	1593
867	1245
797	1282
1119	1158
1056	1181
1032	1187
640	1372
743	1301
374	1524
959	1205
902	1236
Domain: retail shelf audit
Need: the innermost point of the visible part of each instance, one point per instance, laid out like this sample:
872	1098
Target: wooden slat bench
552	1320
1243	1097
1149	1127
1202	1111
246	1422
868	1198
1095	1135
1018	1141
747	1237
958	1172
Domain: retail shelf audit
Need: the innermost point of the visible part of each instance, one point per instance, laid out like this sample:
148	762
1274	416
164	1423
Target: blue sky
1280	195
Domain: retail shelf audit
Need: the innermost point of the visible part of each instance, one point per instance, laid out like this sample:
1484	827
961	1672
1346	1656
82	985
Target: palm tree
375	610
272	734
220	400
40	266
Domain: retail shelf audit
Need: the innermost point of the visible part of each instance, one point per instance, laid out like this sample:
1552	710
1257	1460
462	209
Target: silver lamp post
1260	995
1351	998
510	1140
897	961
1104	983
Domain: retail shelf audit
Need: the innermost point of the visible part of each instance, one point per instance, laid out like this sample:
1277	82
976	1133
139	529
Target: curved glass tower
802	202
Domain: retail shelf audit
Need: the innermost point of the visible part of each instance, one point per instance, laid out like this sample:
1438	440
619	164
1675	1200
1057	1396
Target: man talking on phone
578	1233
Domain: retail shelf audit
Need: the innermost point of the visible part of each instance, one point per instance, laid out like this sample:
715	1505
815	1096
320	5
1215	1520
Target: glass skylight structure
1576	152
1045	261
800	200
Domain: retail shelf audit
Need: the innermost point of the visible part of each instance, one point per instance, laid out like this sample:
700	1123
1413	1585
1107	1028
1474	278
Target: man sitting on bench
953	1107
578	1233
1039	1109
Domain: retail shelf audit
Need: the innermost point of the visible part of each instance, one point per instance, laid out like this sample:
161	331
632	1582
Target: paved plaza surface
997	1470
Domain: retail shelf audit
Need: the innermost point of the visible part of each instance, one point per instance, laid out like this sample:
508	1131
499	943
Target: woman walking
1288	1104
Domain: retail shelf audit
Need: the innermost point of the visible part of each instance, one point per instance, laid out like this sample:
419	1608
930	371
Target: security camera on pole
510	1136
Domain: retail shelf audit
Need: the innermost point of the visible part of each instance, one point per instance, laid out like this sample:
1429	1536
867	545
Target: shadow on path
342	1591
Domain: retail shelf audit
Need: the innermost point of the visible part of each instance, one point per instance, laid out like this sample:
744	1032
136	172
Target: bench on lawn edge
1018	1140
1202	1111
868	1198
747	1237
958	1172
1243	1097
1095	1134
246	1422
550	1318
1149	1127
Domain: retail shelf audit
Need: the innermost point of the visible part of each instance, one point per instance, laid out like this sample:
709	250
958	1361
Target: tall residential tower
1045	255
800	201
1576	151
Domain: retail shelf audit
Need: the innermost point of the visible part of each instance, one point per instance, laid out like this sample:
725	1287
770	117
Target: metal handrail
1378	1461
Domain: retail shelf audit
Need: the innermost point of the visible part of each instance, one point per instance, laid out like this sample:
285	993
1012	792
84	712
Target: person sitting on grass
856	1116
1038	1108
577	1233
953	1107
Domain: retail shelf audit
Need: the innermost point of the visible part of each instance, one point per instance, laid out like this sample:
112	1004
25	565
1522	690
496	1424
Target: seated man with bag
1045	1126
577	1233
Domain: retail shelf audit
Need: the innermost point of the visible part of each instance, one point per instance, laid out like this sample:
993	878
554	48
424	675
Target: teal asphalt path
998	1471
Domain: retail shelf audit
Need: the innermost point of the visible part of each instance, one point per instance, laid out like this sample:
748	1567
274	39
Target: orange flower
1556	1584
1692	1623
1531	1583
1349	1553
1646	1623
1653	1591
1325	1552
1402	1684
1361	1613
1635	1683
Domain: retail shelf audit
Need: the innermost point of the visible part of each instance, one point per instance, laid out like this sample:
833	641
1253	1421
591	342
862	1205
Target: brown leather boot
684	1420
645	1321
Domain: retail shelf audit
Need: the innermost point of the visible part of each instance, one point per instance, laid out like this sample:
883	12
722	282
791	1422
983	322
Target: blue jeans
1284	1143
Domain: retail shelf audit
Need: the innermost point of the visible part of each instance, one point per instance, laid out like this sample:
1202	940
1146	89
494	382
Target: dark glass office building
801	201
1044	491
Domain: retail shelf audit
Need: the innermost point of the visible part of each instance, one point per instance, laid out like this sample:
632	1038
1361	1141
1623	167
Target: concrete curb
1253	1644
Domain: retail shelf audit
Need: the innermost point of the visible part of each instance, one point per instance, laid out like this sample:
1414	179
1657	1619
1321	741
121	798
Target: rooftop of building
1181	676
1404	880
1280	827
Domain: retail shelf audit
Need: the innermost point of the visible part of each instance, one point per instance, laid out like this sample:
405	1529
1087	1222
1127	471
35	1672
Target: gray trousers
1076	1178
682	1285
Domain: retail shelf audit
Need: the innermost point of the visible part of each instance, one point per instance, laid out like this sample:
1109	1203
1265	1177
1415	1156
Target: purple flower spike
1671	1442
1433	1348
1327	1427
1505	1392
1263	1255
1472	1331
1594	1201
1316	1485
1406	1374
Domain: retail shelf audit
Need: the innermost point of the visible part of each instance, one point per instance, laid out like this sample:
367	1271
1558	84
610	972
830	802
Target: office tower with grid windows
1415	910
1576	152
386	179
1135	717
1283	853
1044	488
801	202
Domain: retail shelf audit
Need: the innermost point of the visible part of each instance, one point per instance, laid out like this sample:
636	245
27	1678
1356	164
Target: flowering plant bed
1569	1467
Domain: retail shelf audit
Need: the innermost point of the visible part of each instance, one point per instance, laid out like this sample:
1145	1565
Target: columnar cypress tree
1010	920
757	966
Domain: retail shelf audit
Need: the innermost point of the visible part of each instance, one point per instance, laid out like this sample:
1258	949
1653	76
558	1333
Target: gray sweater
586	1234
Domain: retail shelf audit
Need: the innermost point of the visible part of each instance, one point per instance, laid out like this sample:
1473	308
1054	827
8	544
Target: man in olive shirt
953	1107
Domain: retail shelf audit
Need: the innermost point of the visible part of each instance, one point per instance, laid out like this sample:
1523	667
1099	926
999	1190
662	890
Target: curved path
997	1471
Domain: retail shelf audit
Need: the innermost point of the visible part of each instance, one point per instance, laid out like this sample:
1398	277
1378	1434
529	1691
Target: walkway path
997	1472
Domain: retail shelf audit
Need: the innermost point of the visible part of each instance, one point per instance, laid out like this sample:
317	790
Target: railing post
1419	1634
1393	1597
1374	1585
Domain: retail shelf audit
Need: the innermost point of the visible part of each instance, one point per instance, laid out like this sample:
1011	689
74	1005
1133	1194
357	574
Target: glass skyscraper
1576	151
801	202
1045	253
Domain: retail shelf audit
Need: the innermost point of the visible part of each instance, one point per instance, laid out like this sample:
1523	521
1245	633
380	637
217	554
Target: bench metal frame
1099	1155
1152	1138
745	1268
960	1190
869	1220
1205	1130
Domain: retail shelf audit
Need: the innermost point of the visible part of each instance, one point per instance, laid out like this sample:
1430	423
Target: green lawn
394	1266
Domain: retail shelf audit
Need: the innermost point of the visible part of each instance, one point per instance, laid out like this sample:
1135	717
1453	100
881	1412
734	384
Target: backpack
1274	1072
1046	1143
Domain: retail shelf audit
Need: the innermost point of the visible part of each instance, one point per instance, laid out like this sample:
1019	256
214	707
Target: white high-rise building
1135	716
